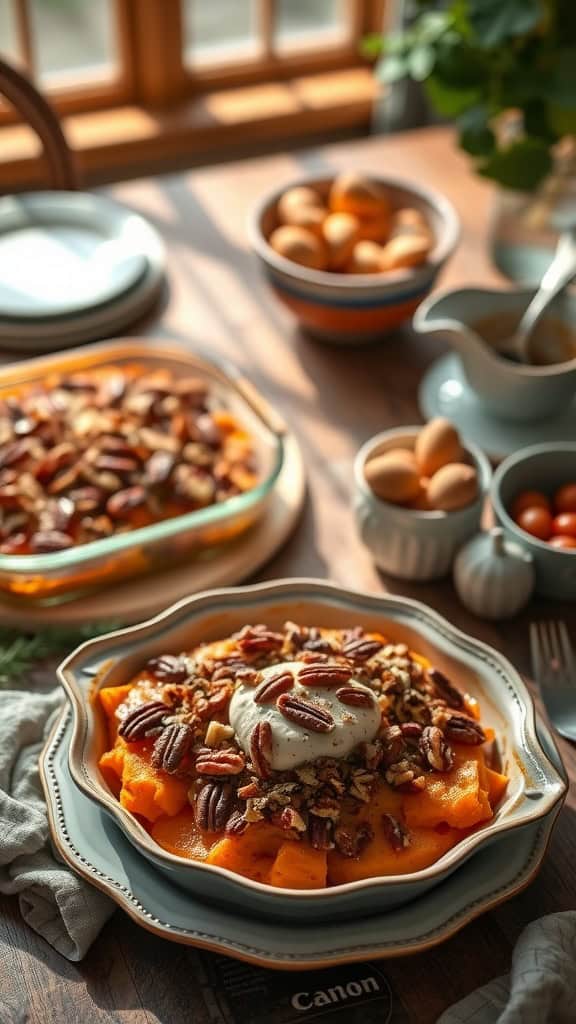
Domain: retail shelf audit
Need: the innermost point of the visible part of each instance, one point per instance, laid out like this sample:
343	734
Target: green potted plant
505	72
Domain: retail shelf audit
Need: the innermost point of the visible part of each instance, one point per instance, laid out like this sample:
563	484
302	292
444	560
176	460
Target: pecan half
50	540
145	720
355	697
171	746
291	819
464	730
261	749
395	833
168	668
445	689
121	504
269	690
393	744
435	750
324	675
320	831
302	712
236	824
411	730
361	649
220	762
213	806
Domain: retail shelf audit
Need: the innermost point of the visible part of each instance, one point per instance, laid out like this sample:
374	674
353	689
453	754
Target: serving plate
534	784
95	848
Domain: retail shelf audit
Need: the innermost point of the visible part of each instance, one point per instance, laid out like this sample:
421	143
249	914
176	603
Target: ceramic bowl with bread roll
353	255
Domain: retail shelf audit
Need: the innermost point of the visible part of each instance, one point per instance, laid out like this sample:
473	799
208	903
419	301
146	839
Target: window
158	58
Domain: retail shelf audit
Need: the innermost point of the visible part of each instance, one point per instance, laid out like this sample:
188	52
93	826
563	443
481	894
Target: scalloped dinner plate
94	847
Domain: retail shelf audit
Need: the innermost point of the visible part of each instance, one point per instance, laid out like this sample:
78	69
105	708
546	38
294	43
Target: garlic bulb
494	577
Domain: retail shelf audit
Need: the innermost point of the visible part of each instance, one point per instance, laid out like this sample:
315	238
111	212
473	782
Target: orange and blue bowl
354	308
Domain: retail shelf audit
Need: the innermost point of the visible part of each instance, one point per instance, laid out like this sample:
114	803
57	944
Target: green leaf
562	122
371	46
476	136
521	165
20	652
420	62
495	22
392	69
448	100
561	87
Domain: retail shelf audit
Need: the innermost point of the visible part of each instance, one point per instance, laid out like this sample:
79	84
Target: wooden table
334	399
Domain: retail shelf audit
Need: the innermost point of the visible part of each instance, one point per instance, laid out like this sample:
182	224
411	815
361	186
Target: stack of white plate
74	266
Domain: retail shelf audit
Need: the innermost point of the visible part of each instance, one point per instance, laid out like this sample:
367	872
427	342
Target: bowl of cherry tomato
534	499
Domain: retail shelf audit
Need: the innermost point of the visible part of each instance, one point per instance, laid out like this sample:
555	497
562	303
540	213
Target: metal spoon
559	274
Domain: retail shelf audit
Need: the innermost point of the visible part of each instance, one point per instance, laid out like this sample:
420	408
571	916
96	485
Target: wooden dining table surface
333	398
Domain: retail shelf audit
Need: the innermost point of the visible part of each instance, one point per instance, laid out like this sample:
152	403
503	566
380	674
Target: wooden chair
37	112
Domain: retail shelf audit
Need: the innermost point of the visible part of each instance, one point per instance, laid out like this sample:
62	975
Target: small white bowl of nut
419	495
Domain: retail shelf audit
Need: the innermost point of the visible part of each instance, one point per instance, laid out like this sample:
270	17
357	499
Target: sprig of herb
22	652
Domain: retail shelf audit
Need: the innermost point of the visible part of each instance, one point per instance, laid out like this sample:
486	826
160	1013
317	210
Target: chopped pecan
250	790
400	773
171	746
259	639
445	689
305	714
355	697
145	720
361	649
461	729
219	700
13	453
220	762
393	744
159	467
291	819
213	806
168	668
324	675
120	464
411	731
435	750
261	749
350	842
395	833
272	687
236	824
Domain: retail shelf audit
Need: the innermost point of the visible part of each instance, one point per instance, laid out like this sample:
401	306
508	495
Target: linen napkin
63	908
541	986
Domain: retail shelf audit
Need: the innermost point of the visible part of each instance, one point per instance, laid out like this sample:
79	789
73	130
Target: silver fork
554	669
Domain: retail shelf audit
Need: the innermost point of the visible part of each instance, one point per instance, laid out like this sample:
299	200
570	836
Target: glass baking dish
63	575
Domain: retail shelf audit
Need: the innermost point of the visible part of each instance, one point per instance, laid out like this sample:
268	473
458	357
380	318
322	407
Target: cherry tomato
565	524
537	521
565	498
529	499
563	541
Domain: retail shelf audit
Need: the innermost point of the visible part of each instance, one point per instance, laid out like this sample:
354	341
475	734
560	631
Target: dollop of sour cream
292	744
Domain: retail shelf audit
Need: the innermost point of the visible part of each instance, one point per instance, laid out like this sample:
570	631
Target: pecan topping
145	720
445	689
291	819
171	746
411	730
355	697
361	649
351	842
395	833
121	504
236	824
50	540
269	690
434	748
261	749
213	806
220	762
324	675
461	729
168	668
393	744
302	712
259	639
320	832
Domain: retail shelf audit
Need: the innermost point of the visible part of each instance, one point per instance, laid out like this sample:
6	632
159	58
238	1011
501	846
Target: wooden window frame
154	83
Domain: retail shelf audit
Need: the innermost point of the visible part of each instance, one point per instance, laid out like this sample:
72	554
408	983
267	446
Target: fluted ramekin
404	542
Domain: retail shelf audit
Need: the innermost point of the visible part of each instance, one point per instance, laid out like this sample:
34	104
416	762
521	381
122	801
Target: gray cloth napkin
541	986
63	908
